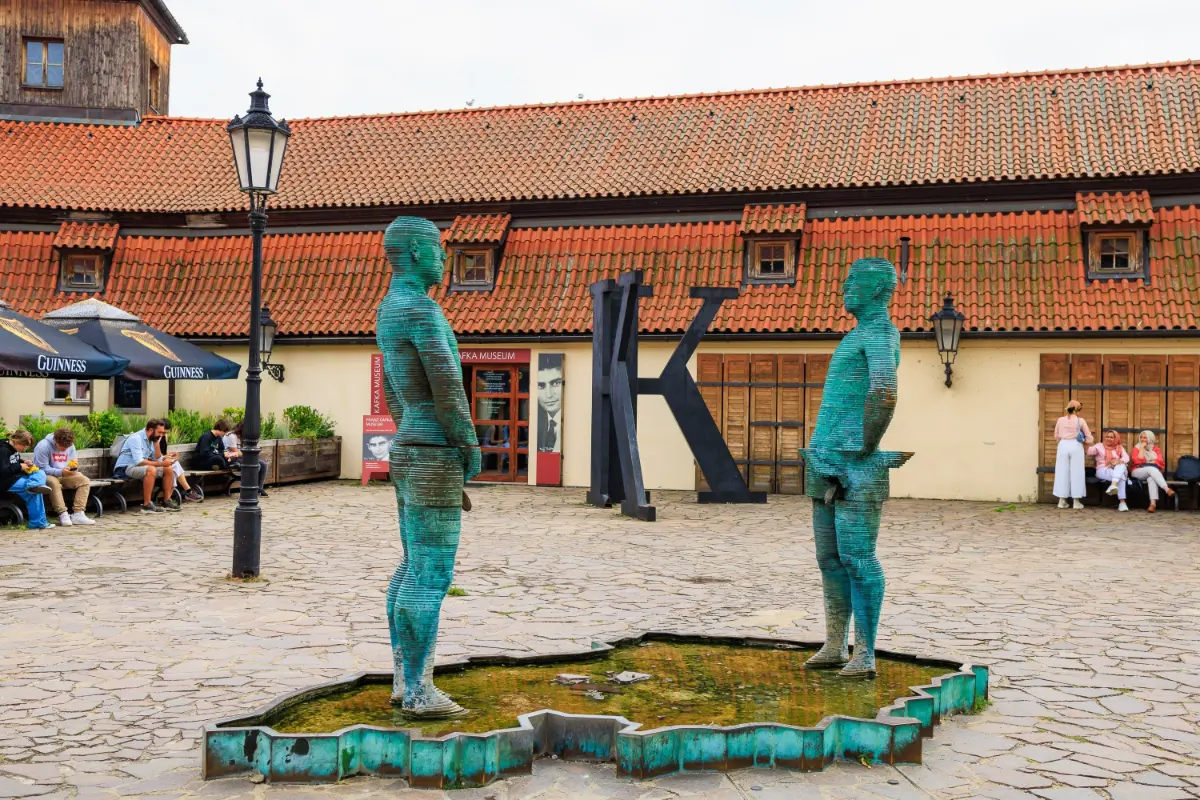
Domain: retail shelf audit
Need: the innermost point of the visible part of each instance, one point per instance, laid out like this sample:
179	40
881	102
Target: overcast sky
321	58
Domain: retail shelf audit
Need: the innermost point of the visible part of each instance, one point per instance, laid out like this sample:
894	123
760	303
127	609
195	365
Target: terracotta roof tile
1008	272
1085	123
478	229
86	235
773	218
1114	208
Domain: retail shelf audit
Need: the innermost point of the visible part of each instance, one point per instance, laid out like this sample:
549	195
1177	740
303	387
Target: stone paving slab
119	641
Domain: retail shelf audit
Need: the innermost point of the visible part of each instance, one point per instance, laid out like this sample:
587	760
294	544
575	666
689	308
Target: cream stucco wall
20	397
976	440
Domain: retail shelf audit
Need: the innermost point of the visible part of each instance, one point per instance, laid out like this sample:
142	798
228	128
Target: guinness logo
147	340
21	331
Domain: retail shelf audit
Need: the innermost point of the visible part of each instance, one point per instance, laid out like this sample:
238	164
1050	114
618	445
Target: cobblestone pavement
118	641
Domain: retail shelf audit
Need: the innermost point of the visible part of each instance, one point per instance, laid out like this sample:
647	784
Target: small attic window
473	268
771	261
1116	254
82	272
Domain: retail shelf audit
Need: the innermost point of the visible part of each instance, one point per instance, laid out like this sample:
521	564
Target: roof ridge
812	88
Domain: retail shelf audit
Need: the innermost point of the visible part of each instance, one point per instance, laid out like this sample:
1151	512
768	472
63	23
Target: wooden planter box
94	462
304	460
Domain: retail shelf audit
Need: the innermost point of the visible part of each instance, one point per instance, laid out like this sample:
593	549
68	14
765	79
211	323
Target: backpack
117	444
1188	469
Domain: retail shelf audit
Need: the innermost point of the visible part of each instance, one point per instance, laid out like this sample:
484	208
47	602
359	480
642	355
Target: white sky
321	58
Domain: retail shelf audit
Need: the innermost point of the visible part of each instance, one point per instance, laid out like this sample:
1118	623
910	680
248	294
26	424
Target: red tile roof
773	219
1009	271
1114	208
478	229
1084	123
86	235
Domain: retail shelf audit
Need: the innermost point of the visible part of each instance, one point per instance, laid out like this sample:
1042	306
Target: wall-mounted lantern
947	328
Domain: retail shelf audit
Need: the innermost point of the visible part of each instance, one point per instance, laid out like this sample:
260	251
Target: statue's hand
472	462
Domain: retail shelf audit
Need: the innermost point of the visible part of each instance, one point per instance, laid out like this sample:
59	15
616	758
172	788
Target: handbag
1188	469
1079	437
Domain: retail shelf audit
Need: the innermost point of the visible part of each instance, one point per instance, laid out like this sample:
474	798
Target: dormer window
773	261
1114	227
84	251
44	63
82	272
473	268
771	239
474	243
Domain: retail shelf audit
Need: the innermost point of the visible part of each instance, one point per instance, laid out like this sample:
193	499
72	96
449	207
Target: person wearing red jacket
1148	465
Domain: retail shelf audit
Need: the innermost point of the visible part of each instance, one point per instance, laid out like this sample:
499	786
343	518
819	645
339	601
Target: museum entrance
499	396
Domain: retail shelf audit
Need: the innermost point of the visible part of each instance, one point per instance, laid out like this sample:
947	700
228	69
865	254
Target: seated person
210	450
55	455
24	480
1148	466
1112	464
139	462
189	494
233	454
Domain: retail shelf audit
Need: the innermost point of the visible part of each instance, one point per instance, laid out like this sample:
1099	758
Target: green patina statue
847	473
434	451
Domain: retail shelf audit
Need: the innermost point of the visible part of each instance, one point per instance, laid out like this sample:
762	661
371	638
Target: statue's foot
859	666
430	702
827	657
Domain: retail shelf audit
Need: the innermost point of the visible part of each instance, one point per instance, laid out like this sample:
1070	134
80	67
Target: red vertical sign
377	404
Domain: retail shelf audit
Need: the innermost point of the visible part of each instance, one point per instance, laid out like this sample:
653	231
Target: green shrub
272	428
3	428
134	423
40	426
103	427
307	423
234	414
188	426
84	438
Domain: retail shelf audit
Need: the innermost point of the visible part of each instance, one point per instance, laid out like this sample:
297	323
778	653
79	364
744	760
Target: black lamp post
259	143
947	328
266	328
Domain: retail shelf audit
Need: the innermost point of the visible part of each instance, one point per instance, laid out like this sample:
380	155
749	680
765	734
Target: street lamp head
947	329
266	333
259	143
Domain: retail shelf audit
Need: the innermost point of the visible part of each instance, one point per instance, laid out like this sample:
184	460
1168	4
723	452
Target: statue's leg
836	585
857	534
399	471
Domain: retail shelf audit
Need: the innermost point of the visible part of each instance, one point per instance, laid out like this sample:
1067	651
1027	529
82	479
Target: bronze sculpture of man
846	474
434	452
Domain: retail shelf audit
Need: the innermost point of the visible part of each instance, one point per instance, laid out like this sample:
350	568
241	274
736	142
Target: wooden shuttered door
709	379
1125	393
1054	380
765	405
1183	409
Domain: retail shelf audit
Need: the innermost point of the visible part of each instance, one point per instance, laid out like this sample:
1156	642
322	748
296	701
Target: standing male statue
847	474
433	453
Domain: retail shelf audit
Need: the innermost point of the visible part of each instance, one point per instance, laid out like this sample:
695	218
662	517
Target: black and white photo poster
550	402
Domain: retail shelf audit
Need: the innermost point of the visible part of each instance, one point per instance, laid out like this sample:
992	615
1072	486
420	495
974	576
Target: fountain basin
780	715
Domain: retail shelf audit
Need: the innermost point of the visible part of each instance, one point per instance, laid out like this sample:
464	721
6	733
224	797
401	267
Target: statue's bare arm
443	370
880	404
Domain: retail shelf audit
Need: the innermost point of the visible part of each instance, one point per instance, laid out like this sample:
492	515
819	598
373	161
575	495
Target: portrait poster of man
550	396
378	430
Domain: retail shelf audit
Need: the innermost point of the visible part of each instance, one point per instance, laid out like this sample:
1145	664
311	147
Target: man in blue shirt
137	462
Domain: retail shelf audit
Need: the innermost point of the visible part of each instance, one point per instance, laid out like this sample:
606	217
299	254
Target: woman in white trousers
1148	465
1112	464
1071	432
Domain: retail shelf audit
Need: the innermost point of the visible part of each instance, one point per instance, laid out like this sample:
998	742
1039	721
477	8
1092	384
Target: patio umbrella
152	354
30	349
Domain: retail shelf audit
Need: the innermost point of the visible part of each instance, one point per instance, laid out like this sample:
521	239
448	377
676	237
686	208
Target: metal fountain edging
237	745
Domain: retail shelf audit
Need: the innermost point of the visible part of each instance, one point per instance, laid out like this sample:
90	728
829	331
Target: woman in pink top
1112	464
1148	466
1070	432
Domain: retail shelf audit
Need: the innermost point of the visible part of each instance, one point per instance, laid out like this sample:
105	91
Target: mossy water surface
690	684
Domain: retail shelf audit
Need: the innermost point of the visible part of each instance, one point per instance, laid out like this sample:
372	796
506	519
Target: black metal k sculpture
615	387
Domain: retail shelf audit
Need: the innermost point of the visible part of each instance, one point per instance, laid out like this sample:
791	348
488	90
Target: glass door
500	410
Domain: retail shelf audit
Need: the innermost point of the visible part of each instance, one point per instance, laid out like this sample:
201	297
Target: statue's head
414	248
869	285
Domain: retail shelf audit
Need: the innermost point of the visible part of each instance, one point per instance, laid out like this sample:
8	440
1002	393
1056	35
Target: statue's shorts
853	477
427	475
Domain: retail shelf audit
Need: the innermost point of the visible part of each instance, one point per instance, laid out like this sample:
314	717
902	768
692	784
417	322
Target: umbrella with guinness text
31	349
152	354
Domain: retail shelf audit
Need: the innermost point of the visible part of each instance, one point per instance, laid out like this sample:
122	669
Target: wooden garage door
1126	393
766	406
